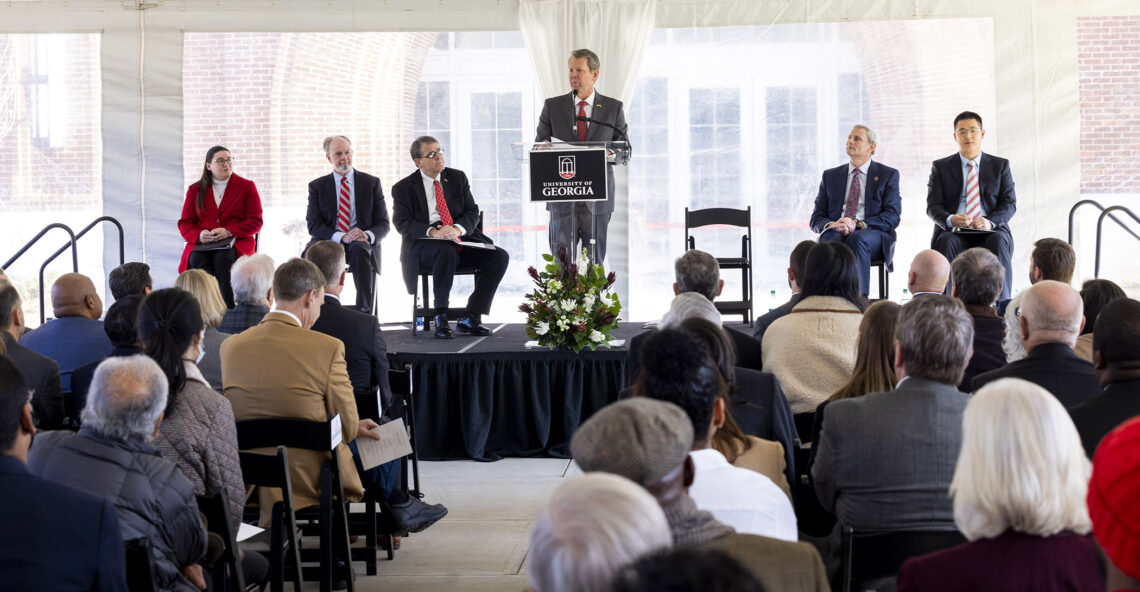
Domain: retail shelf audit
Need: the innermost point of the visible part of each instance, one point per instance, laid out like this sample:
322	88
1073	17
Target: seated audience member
797	265
1050	322
753	397
1011	341
977	283
1019	493
589	528
812	349
40	371
365	354
648	442
1095	294
52	537
884	460
252	280
123	333
688	305
130	279
929	273
204	288
697	273
114	458
1052	259
1112	504
1116	357
874	361
679	370
76	336
685	570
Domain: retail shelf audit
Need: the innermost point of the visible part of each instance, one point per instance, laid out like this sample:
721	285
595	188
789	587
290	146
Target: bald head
73	295
1051	312
929	272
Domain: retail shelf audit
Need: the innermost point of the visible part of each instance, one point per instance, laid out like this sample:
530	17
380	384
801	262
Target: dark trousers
573	225
999	242
443	258
384	482
218	264
866	244
358	255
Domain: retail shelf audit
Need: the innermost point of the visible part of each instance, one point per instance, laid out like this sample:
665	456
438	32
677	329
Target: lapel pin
876	178
598	106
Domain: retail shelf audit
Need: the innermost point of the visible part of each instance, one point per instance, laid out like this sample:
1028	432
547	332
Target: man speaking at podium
582	115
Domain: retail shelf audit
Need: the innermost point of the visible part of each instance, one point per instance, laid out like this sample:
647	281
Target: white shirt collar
977	161
291	315
862	168
589	100
337	176
333	296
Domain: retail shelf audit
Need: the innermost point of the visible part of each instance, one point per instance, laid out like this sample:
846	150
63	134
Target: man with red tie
435	213
971	200
347	206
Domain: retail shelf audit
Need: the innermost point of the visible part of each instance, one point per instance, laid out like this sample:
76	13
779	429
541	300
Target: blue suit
882	207
53	537
70	341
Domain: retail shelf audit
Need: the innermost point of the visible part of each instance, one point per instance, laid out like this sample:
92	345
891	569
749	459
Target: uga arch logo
567	167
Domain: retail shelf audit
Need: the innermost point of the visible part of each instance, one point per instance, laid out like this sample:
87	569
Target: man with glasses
971	200
347	206
436	215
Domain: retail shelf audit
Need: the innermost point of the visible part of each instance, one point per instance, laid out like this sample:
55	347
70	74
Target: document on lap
459	242
393	444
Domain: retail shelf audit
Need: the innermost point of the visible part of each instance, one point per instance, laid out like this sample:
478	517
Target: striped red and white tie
345	206
973	197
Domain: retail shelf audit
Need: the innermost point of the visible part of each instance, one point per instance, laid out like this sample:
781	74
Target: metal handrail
1076	206
79	235
1100	226
28	245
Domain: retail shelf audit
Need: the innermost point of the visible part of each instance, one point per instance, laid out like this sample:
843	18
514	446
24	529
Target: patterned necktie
581	124
973	197
345	207
441	205
852	197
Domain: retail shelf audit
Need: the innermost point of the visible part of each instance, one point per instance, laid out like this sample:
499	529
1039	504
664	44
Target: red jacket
240	214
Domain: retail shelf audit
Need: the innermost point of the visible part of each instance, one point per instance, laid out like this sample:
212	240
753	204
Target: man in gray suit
885	460
571	222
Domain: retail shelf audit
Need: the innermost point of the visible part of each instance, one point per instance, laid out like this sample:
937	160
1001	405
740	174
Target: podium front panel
568	175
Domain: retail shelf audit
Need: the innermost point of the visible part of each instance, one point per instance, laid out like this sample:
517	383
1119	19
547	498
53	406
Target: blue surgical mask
201	347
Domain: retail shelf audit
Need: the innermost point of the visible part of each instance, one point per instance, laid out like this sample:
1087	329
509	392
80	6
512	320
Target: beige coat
1083	348
279	369
767	458
811	350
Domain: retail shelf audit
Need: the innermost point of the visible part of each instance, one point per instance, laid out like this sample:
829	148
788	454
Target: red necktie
852	205
581	124
441	206
345	207
973	199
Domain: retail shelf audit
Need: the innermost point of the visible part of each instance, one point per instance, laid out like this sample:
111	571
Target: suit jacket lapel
420	208
953	198
594	130
838	183
872	182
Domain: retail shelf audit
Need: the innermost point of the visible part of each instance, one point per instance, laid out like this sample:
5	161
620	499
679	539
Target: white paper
393	327
617	342
248	531
393	444
336	431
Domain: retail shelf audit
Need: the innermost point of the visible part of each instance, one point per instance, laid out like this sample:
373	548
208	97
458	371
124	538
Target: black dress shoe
415	516
442	330
471	325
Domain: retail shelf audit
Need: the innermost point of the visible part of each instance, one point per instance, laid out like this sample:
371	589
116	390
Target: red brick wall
1108	62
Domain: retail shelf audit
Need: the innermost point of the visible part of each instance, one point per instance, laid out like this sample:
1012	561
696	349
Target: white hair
1011	342
688	305
126	396
251	277
592	526
1021	465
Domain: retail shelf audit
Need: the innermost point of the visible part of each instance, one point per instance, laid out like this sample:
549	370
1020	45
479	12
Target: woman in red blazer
207	219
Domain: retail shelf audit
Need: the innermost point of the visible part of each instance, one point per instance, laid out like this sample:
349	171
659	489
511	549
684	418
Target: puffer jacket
153	498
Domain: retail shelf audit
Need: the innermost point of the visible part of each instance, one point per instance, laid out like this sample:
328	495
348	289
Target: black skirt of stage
490	398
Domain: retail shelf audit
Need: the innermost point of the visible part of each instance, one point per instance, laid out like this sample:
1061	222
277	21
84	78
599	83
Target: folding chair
140	565
428	312
728	217
873	555
226	572
272	470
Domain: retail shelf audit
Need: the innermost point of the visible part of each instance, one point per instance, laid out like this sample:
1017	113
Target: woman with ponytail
218	207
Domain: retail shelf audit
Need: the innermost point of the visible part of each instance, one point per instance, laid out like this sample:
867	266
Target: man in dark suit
1051	318
859	203
977	282
970	198
435	202
52	537
76	336
1116	356
42	372
132	278
571	222
797	266
929	273
347	206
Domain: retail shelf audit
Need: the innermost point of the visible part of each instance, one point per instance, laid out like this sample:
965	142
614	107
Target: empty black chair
728	217
140	565
873	555
886	264
272	470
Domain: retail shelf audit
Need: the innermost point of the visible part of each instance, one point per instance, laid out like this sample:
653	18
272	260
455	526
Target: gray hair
978	276
419	143
1011	342
697	271
872	137
329	140
251	277
1021	465
1053	311
936	336
592	61
295	278
328	256
126	396
688	305
592	526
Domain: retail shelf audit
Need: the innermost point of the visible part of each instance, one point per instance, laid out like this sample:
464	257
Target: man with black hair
130	279
40	371
52	537
977	283
797	267
122	331
1116	357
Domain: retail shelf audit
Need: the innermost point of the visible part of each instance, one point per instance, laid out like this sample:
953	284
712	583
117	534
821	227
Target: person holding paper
220	217
435	202
582	115
970	198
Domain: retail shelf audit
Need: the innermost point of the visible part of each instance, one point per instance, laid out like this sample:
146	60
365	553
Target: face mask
201	347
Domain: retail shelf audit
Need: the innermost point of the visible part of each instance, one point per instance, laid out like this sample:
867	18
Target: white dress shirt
965	180
337	235
433	211
743	499
862	209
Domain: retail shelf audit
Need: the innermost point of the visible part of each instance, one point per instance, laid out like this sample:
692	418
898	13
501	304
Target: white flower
588	301
582	266
568	304
554	284
563	323
596	336
541	328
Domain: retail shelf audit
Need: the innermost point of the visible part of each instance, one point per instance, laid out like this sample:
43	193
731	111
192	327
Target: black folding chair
140	565
728	217
226	572
272	470
874	555
427	312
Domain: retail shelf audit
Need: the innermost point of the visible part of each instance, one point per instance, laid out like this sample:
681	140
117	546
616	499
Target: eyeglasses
963	132
223	161
433	154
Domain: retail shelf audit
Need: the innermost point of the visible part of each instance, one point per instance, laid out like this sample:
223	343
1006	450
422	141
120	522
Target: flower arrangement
572	305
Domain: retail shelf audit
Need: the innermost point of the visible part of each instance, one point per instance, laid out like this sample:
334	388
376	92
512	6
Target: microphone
605	124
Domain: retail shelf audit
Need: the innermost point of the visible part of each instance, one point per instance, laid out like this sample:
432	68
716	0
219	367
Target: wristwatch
861	225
